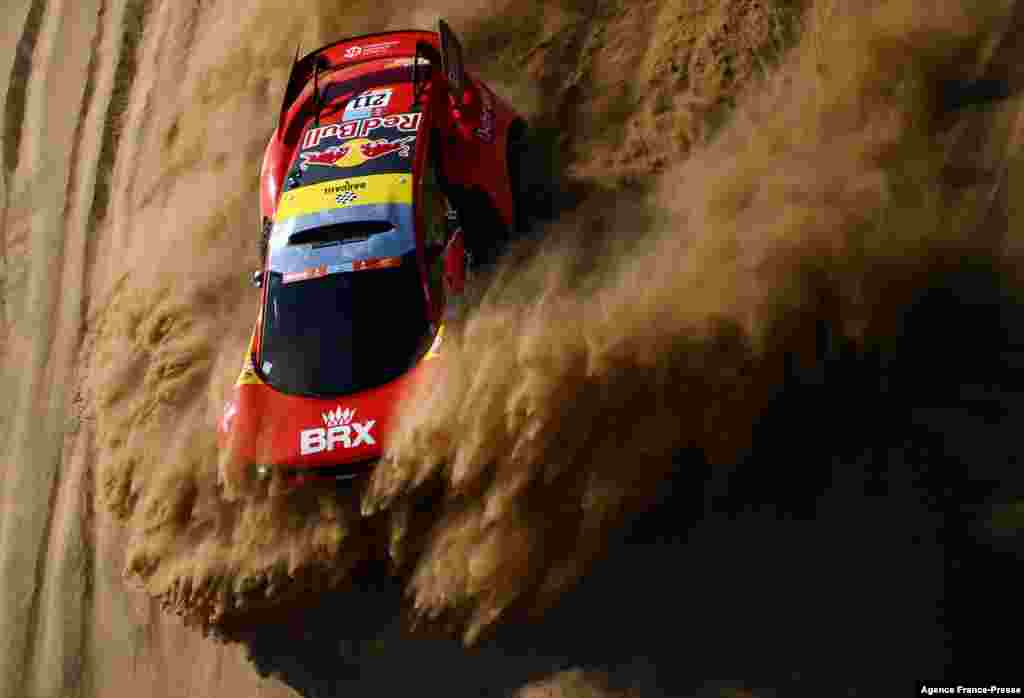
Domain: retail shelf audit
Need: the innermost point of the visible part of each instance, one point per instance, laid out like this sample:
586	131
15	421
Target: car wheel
483	229
531	179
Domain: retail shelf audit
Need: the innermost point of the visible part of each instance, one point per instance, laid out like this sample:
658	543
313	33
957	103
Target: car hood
264	426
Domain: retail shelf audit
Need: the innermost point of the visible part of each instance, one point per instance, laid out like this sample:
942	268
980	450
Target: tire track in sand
133	649
17	42
63	619
24	46
123	50
44	336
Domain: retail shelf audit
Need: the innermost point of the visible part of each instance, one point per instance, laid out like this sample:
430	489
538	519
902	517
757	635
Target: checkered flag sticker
346	197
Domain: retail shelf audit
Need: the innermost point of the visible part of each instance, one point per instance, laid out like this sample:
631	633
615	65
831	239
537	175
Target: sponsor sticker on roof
356	152
354	191
369	50
361	128
368	104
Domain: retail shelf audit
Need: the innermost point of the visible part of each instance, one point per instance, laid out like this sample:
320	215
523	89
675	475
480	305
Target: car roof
352	51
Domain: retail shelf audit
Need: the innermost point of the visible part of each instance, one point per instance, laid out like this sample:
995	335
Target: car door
442	239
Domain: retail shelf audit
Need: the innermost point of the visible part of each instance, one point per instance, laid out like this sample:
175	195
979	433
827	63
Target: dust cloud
826	202
175	312
736	237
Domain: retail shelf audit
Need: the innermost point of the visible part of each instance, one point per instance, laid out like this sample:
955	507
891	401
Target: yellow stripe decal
342	193
435	348
248	375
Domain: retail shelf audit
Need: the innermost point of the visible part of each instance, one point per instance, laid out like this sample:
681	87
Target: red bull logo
361	128
355	152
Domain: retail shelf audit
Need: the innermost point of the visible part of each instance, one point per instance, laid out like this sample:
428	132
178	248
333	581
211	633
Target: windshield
343	332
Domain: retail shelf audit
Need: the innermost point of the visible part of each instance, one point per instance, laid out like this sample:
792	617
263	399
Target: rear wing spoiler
395	44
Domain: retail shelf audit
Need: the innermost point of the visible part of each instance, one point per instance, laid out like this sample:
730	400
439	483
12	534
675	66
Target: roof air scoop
349	231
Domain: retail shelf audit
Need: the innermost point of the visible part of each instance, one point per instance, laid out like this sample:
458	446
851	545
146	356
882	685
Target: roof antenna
415	79
316	91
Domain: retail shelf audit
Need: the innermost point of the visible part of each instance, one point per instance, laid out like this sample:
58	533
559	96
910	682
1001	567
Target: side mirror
451	60
256	279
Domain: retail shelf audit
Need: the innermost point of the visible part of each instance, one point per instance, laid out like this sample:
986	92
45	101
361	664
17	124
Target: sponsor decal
378	189
369	49
407	62
360	128
333	418
305	274
382	47
340	430
485	131
368	104
325	270
355	152
345	186
364	264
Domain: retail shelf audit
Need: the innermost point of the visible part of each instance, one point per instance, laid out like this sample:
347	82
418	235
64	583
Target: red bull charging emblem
355	152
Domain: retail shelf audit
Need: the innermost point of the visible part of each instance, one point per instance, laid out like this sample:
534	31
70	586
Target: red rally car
390	172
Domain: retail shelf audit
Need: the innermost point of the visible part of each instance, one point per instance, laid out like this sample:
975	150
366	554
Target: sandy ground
70	628
132	134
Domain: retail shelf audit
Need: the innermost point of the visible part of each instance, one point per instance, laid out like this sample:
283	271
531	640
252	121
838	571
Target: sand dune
737	322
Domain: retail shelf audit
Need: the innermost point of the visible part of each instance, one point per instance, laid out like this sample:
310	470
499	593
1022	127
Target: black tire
484	231
531	176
